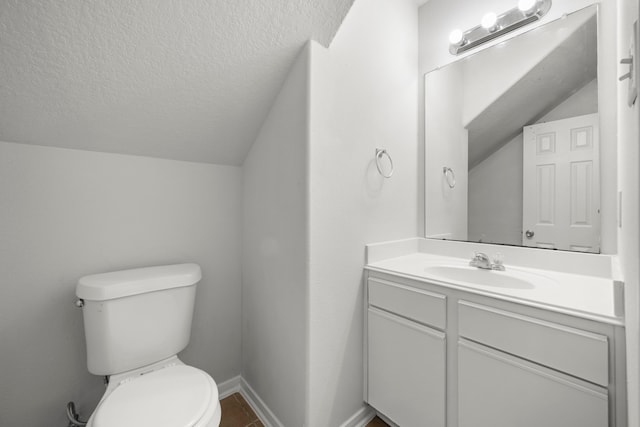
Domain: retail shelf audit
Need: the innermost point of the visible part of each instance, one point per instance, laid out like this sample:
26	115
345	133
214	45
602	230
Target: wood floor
236	412
377	422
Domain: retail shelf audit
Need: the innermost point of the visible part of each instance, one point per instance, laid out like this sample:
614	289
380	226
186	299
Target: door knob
529	234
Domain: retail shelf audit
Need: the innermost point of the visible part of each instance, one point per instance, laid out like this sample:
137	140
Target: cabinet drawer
579	353
415	304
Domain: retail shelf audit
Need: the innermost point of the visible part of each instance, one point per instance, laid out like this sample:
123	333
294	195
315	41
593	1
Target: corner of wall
275	246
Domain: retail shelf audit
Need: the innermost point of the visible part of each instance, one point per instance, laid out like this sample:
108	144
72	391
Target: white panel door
499	390
406	370
561	184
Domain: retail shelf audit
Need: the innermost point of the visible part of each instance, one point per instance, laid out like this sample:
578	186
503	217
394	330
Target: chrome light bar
493	26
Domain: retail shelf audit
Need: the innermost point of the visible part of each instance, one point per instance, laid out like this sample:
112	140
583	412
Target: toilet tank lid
118	284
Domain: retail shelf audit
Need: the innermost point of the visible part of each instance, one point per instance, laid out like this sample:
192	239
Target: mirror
512	141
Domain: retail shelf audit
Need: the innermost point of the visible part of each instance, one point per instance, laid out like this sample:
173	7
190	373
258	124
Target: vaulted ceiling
187	80
569	65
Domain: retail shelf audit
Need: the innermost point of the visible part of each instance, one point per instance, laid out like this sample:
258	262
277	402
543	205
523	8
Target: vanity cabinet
442	357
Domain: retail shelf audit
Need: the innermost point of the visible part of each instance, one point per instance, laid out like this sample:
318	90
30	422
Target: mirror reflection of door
557	215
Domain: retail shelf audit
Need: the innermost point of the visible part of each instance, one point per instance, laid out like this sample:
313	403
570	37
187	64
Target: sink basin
473	275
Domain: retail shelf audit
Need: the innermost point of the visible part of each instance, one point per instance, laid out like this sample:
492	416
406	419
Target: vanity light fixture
456	37
490	22
527	6
492	25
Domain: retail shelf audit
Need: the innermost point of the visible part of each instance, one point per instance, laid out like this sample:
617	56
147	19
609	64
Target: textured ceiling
181	79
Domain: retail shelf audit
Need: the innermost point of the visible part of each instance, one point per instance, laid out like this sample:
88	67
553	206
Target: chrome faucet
481	260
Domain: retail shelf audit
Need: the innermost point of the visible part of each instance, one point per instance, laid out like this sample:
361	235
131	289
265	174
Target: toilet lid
176	396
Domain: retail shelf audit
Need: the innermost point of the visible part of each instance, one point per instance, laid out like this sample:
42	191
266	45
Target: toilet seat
175	396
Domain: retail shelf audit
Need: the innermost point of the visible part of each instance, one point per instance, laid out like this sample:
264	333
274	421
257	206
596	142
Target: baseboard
239	385
361	418
229	387
261	409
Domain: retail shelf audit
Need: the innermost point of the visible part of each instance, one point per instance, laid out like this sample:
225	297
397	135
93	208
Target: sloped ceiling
567	68
187	80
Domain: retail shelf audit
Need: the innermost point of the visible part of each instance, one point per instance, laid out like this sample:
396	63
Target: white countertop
588	296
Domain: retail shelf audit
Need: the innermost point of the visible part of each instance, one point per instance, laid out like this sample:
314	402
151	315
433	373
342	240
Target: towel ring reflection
449	176
379	153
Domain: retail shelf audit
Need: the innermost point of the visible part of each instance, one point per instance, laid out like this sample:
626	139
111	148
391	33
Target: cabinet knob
529	234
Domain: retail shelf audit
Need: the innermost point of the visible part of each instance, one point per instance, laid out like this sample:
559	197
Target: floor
236	412
377	422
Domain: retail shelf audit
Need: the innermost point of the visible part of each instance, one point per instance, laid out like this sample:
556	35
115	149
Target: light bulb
527	6
489	21
456	37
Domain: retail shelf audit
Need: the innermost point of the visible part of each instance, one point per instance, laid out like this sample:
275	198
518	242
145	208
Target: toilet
136	322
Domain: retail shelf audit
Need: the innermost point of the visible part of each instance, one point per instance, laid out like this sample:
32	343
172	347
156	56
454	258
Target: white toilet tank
133	318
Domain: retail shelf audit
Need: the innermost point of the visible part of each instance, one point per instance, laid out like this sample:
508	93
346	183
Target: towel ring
379	153
449	176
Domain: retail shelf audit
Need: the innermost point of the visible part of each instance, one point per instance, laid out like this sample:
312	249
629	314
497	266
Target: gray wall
275	253
67	213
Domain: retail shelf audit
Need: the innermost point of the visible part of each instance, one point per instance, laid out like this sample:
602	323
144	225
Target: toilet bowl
136	322
169	394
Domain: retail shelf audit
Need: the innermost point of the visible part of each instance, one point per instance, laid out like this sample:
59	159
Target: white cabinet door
406	370
499	390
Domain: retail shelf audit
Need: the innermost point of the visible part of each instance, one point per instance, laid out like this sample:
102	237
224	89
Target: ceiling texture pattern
187	80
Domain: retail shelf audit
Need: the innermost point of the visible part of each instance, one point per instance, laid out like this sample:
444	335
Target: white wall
446	207
363	96
438	17
68	213
629	185
275	253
